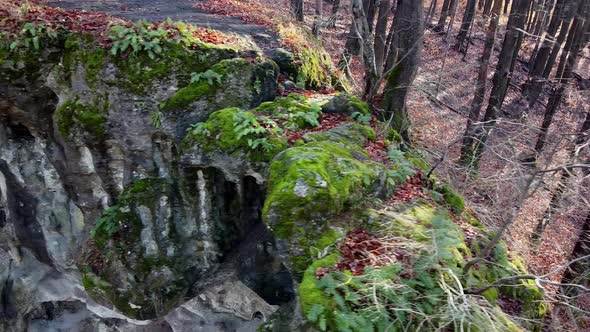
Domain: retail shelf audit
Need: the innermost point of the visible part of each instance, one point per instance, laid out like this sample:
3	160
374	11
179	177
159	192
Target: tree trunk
506	6
480	90
582	248
362	26
506	60
577	38
539	30
531	88
334	17
317	23
488	7
430	13
297	6
566	174
444	14
466	25
381	34
408	36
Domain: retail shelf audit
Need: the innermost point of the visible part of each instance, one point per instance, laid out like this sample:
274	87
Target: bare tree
408	27
480	87
381	34
507	58
317	23
298	7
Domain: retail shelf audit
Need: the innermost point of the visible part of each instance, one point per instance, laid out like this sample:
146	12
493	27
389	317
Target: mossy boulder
219	134
314	65
285	60
308	185
452	199
224	72
348	134
345	103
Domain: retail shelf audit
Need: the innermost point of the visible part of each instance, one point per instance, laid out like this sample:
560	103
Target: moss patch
308	185
91	118
202	88
219	133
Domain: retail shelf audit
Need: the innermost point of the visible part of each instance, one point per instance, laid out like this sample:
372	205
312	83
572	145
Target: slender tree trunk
297	6
577	38
562	184
334	17
430	13
506	6
408	36
510	48
582	248
466	24
539	30
370	8
362	26
444	14
531	88
317	23
488	6
480	90
381	34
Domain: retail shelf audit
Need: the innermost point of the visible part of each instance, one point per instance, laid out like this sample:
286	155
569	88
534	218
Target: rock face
105	222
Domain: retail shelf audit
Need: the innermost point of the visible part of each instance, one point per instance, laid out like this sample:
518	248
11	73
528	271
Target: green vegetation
91	118
452	199
233	130
427	282
310	184
31	36
206	84
141	37
316	69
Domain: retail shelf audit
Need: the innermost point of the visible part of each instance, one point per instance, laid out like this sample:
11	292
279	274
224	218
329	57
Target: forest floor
177	10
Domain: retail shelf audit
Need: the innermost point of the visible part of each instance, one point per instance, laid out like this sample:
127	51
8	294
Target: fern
246	125
210	76
361	118
141	37
156	119
303	119
198	129
30	36
402	168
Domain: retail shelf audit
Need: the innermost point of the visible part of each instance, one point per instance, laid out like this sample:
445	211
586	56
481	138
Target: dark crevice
22	207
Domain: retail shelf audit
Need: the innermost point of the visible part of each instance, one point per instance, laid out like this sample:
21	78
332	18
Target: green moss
417	159
452	198
202	89
328	238
357	105
189	94
308	185
139	72
291	104
352	135
219	133
94	62
309	293
91	118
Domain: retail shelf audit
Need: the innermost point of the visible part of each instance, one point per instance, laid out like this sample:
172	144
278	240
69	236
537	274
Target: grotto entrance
234	211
